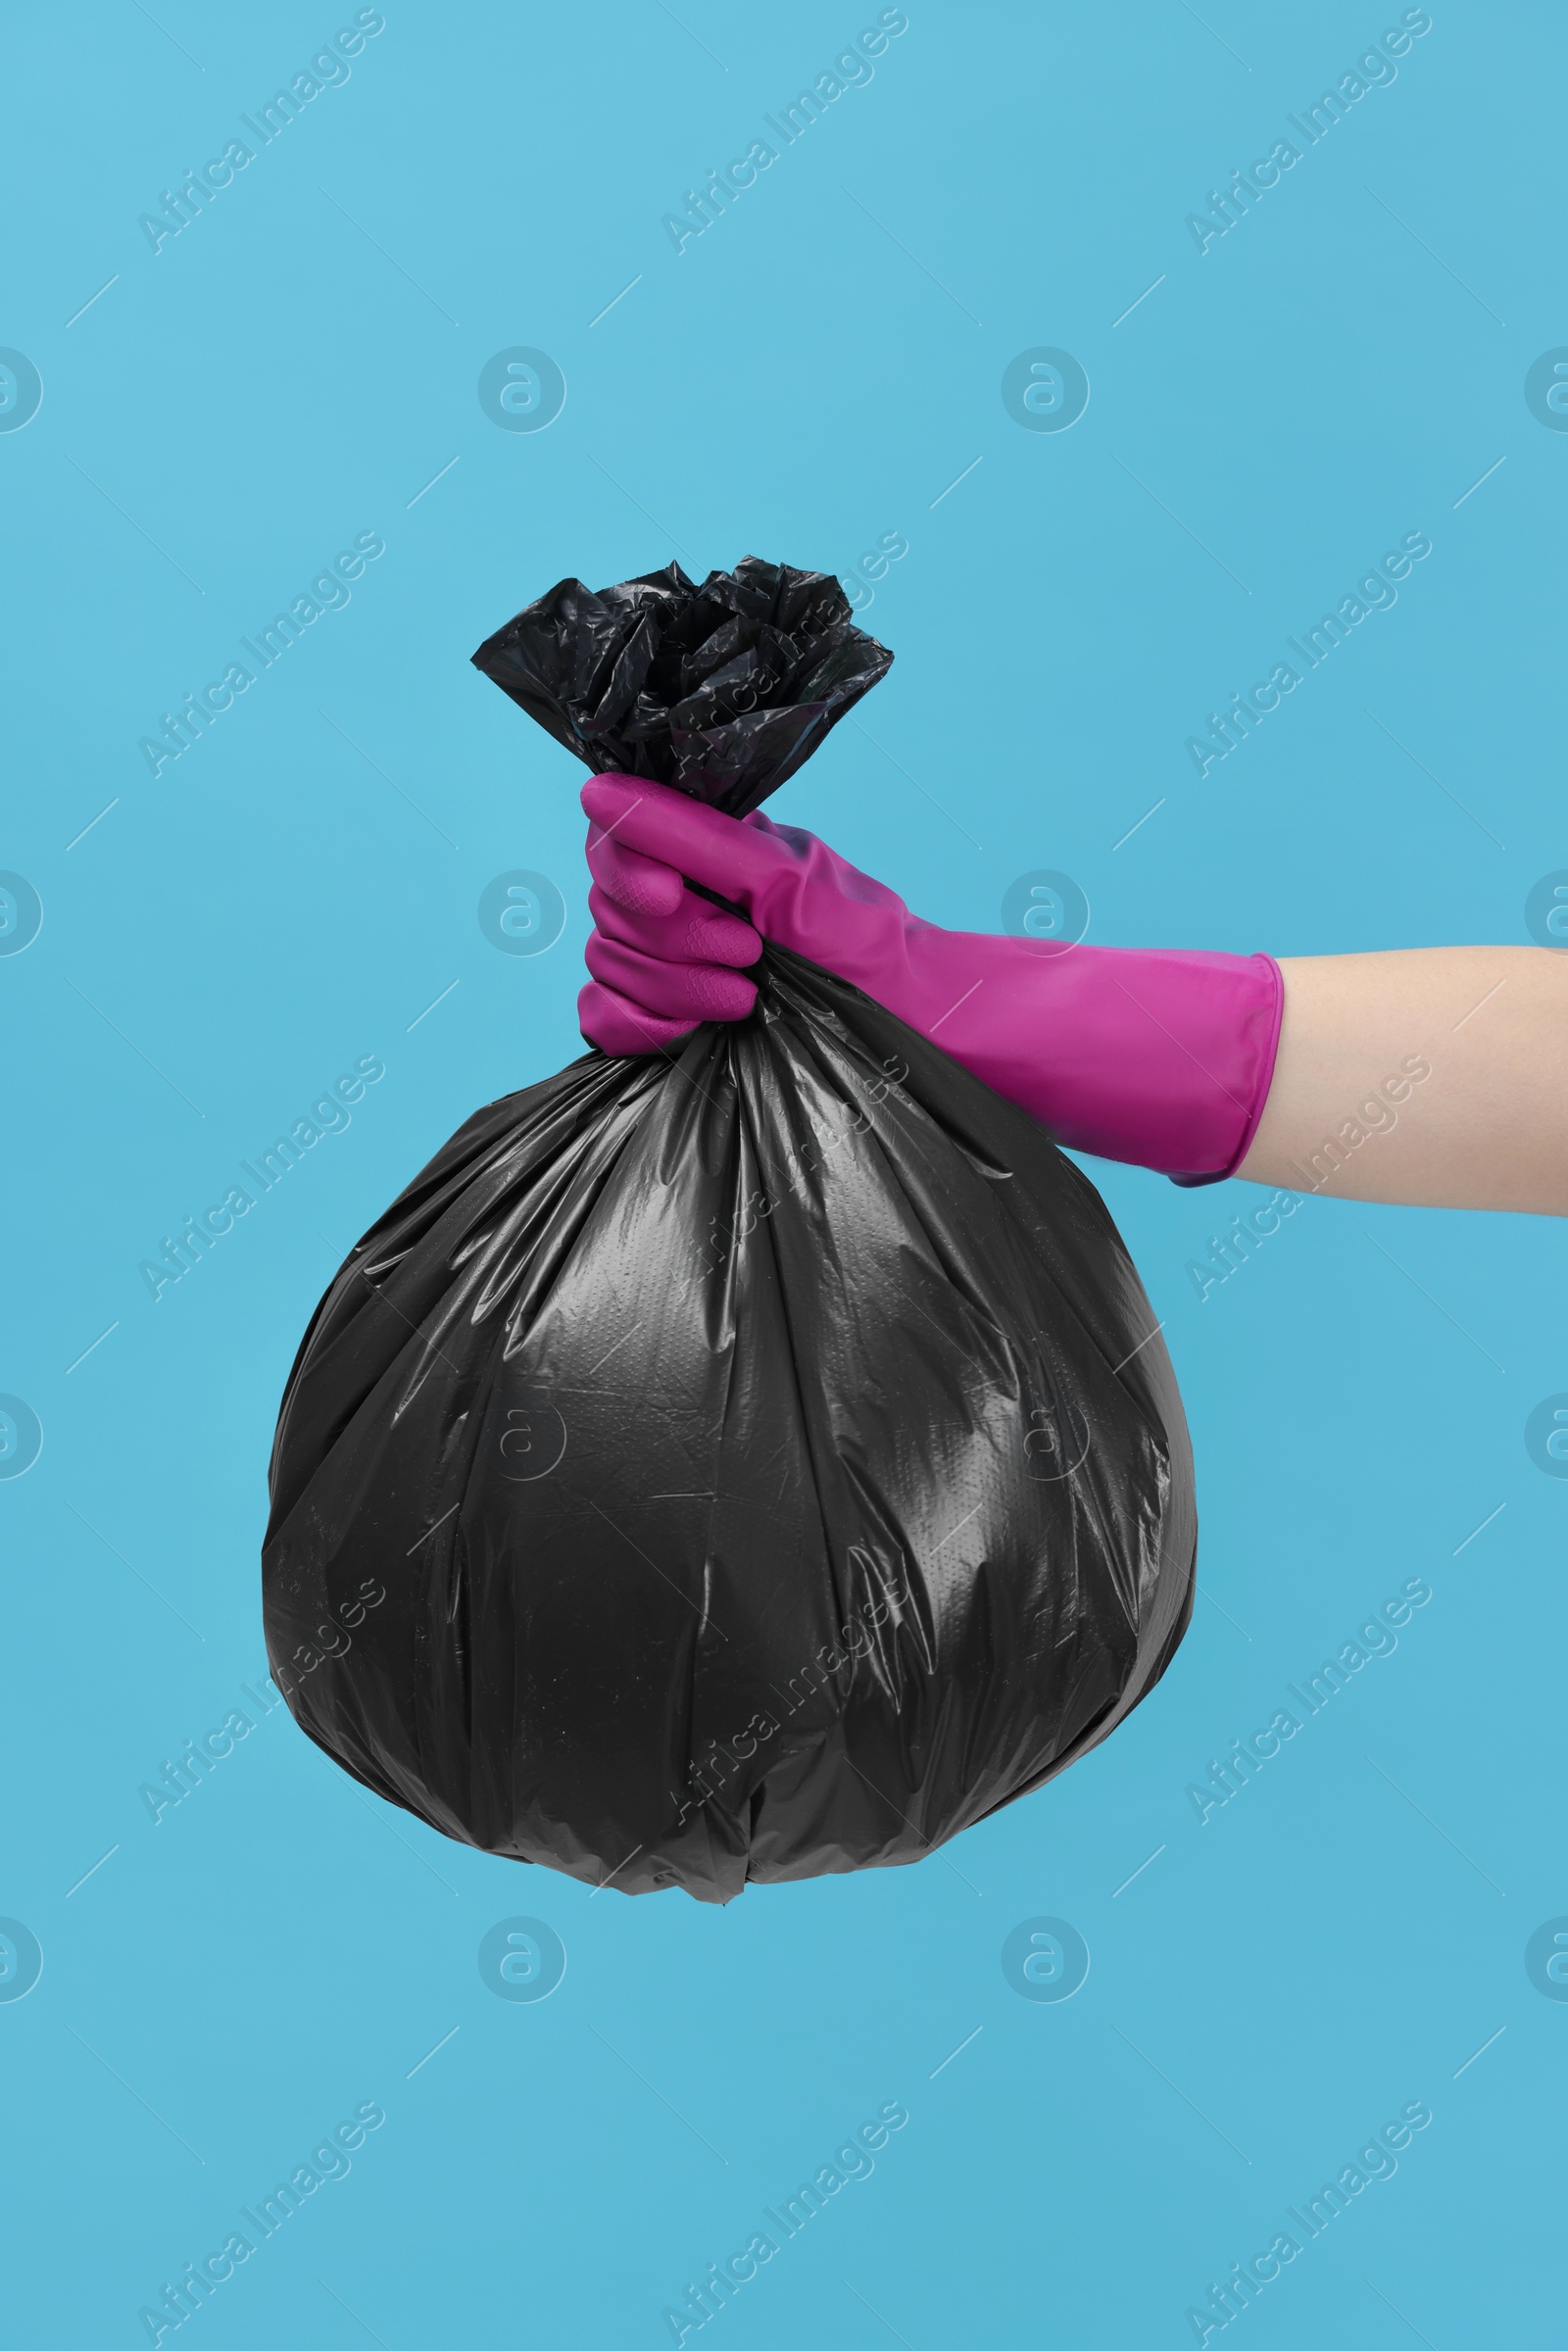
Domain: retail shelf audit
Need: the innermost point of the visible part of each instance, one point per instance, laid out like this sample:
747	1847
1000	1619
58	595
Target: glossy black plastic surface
745	1462
722	689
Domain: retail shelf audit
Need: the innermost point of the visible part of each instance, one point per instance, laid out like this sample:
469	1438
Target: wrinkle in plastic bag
743	1463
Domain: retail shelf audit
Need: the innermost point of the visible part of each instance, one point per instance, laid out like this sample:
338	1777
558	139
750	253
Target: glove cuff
1262	1077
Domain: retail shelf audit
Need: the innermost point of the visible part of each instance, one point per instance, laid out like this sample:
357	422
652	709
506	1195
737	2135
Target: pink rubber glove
1157	1056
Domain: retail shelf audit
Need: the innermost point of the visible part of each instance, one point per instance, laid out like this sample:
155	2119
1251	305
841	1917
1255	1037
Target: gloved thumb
640	832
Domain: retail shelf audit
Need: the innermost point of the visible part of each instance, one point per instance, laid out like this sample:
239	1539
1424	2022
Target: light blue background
810	374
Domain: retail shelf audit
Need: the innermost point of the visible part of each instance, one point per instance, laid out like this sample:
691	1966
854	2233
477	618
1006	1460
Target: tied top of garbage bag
723	689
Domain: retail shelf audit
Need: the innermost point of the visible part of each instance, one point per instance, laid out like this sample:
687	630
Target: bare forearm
1434	1076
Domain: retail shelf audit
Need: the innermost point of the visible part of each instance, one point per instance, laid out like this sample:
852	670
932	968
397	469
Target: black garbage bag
744	1462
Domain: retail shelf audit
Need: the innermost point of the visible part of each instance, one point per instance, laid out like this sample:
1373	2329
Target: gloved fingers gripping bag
745	1461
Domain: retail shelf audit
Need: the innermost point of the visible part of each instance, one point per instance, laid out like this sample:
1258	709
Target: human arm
1161	1058
1434	1076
